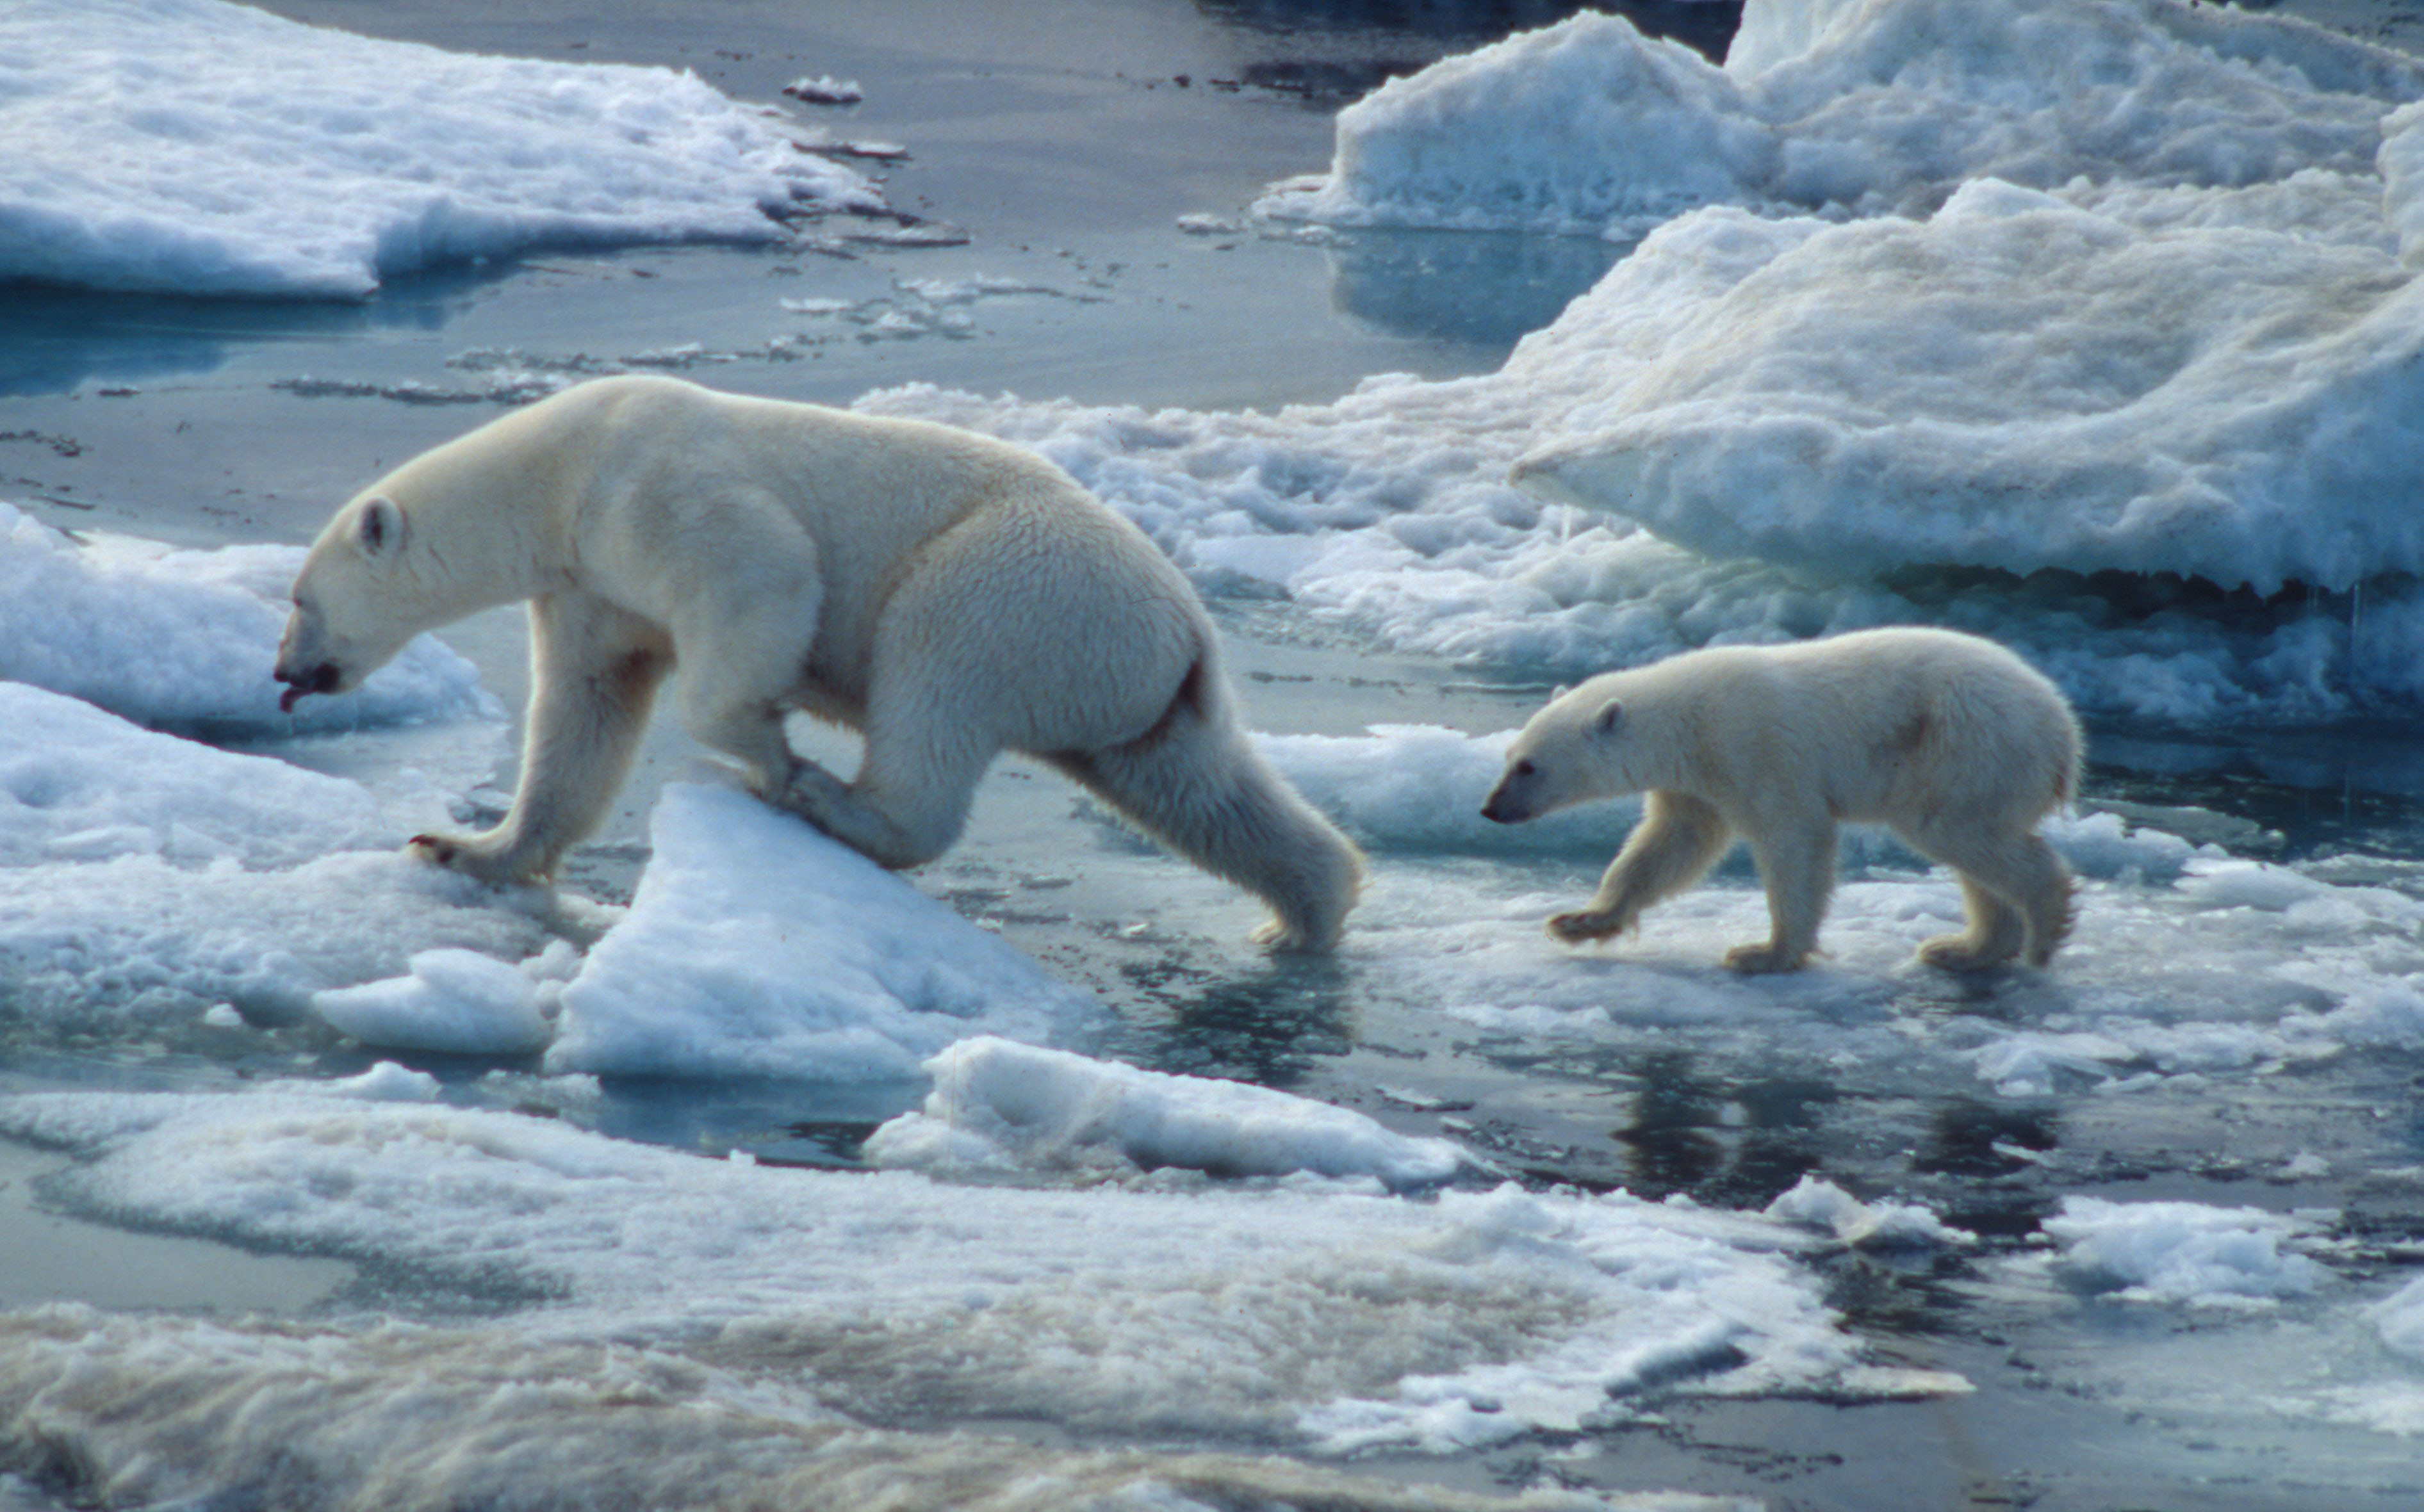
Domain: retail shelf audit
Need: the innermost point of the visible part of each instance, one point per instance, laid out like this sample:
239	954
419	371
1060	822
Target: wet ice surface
2136	1230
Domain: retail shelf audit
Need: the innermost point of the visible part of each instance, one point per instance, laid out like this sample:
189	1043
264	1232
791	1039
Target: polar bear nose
320	679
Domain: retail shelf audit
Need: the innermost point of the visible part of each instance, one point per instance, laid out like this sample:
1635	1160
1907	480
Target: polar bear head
350	619
1579	747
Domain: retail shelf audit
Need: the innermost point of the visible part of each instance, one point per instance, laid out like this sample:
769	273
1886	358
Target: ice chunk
186	639
387	1082
1817	1203
2182	1252
311	162
999	1104
757	948
459	1002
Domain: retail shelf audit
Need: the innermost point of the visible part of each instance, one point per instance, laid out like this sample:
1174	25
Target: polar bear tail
1195	783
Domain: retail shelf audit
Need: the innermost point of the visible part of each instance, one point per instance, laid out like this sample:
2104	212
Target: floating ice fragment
2182	1252
999	1104
824	89
1815	1203
457	1002
386	1082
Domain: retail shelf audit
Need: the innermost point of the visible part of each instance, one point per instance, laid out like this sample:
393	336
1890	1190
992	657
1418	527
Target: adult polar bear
947	595
1953	743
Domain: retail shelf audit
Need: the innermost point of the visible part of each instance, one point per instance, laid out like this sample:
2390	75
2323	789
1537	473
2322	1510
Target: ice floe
1319	1317
1000	1105
757	948
317	163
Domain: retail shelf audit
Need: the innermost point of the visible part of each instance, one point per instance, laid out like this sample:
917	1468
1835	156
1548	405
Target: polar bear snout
1510	802
325	678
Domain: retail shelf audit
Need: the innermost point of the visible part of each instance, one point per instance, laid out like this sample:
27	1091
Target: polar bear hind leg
1196	784
2017	892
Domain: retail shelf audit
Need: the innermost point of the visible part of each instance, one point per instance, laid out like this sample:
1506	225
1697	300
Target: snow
1320	1318
185	639
998	1103
757	948
326	161
2181	1253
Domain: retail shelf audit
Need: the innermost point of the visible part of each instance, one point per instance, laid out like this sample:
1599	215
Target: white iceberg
305	160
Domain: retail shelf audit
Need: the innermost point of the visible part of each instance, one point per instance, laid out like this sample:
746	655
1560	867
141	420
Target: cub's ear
1610	715
379	530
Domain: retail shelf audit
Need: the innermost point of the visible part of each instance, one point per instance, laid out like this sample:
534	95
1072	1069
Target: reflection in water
53	340
1482	288
1735	1146
1264	1029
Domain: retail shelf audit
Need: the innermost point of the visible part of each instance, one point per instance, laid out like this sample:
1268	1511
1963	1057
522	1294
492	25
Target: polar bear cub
949	595
1955	743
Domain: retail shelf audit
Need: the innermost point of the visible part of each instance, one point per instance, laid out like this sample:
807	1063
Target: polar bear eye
1525	769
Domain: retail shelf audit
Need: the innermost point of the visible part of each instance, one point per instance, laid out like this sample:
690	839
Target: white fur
1953	741
947	595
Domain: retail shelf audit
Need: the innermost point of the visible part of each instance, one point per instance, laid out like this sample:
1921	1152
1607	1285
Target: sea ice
459	1002
1319	1316
757	948
185	639
313	162
1817	1203
998	1103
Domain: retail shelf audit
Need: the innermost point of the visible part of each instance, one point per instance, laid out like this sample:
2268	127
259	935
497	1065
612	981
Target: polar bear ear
1610	715
379	529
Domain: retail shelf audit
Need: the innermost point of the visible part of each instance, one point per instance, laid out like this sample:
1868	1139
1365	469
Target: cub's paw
1577	925
1762	960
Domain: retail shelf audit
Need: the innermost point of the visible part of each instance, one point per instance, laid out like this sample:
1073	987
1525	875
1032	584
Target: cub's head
349	617
1570	751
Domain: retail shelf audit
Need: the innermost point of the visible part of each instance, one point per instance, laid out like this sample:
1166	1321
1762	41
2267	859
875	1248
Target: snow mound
996	1104
458	1002
1817	1203
309	162
757	948
186	639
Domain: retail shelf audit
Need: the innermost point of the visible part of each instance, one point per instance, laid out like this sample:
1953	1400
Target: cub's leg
595	671
1796	862
1679	838
2019	871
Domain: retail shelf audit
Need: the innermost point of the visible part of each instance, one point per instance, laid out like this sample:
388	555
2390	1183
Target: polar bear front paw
1577	925
465	854
1763	959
